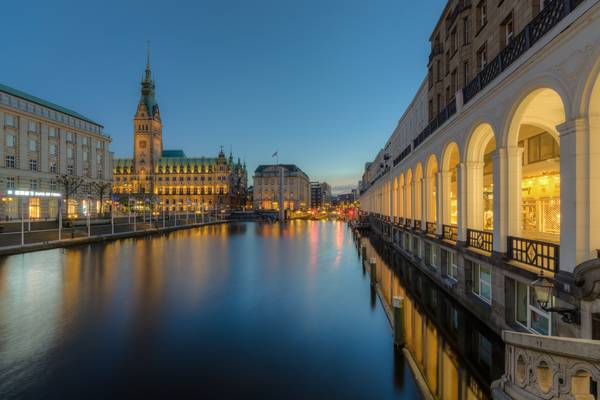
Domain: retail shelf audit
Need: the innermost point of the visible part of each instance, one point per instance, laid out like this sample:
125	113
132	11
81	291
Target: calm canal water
244	310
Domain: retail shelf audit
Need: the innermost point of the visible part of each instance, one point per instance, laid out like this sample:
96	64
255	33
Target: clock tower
147	132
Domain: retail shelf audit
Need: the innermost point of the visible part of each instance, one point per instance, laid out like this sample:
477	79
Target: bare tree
69	185
102	189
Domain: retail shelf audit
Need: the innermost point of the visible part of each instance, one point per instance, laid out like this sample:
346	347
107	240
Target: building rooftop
44	103
173	154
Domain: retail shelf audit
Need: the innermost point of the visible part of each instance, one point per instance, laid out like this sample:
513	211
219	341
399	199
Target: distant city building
267	184
320	194
39	142
169	176
345	198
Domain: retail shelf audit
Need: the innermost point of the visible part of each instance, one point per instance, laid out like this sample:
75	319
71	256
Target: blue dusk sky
324	82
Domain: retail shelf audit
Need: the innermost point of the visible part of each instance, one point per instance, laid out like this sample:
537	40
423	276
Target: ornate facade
168	178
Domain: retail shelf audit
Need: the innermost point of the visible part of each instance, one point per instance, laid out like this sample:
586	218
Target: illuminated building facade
168	178
39	142
320	194
267	185
497	181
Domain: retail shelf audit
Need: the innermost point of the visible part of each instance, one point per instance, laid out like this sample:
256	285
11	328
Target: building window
10	161
482	282
33	184
85	156
52	149
527	312
69	152
70	136
70	170
33	165
84	140
10	140
52	185
32	145
508	31
466	31
52	132
53	168
453	41
482	13
454	79
450	262
33	126
9	120
466	72
34	208
482	57
10	182
542	147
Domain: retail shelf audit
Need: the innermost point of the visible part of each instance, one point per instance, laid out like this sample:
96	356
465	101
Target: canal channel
233	311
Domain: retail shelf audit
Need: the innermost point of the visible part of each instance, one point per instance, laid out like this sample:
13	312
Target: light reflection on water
229	311
457	355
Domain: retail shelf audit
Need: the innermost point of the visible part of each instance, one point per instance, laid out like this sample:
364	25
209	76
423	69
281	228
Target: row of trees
71	184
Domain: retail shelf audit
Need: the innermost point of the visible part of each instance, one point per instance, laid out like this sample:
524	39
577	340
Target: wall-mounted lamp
544	289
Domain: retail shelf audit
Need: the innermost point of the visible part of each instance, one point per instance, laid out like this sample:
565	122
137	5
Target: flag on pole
275	154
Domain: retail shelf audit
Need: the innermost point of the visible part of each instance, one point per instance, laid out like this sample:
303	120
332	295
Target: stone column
500	160
578	195
23	144
474	194
62	152
461	199
43	167
514	167
78	155
439	213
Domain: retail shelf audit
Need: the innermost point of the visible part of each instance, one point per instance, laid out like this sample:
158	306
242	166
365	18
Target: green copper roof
41	102
173	153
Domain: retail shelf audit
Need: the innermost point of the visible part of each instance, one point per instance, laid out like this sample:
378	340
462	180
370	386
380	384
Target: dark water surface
233	311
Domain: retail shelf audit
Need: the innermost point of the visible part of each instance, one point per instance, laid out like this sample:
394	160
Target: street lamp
543	288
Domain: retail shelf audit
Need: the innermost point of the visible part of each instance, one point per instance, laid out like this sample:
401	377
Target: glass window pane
539	323
521	303
533	150
546	146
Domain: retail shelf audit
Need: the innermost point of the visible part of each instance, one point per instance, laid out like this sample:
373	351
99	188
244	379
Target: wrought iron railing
539	254
442	117
481	240
402	155
418	224
552	13
450	232
431	228
408	222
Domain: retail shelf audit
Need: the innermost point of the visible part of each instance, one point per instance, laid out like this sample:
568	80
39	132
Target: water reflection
458	356
233	311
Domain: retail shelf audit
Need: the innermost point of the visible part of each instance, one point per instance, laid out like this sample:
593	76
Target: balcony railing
401	221
408	222
539	254
481	240
450	232
431	228
402	155
552	13
418	224
435	123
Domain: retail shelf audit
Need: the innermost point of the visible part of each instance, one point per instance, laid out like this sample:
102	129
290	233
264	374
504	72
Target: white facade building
40	141
505	183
